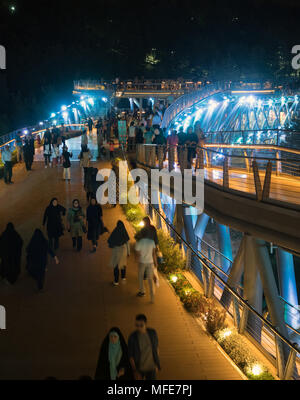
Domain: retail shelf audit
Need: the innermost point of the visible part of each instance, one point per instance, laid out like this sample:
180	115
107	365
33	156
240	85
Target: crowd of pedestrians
117	360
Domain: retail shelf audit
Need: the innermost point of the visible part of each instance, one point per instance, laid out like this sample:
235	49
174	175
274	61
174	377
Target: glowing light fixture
52	115
174	278
256	369
63	108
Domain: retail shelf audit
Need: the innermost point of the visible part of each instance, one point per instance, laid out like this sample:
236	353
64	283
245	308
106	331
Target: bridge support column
275	306
200	228
253	292
223	233
288	286
235	275
191	238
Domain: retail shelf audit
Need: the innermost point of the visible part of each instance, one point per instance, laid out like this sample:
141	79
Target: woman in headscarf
11	245
94	222
113	362
37	257
119	243
76	224
52	217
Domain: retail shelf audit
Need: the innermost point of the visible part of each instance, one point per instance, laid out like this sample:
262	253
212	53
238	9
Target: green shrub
237	349
214	318
172	254
193	302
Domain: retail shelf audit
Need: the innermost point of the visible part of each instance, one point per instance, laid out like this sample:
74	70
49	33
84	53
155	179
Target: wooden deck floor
58	333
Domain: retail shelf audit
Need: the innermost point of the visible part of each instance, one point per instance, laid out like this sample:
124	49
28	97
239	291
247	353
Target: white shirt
132	131
145	248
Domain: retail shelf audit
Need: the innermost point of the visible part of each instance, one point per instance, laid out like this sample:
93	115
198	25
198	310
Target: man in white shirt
145	249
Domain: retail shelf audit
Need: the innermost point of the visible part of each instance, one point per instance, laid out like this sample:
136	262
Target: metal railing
278	137
10	138
187	100
268	173
282	352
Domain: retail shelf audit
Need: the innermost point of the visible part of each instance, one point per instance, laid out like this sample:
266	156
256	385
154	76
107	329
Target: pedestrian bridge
251	184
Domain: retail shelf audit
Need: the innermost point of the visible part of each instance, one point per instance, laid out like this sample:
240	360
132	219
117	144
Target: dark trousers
28	163
7	171
47	159
40	278
54	243
149	375
117	273
77	242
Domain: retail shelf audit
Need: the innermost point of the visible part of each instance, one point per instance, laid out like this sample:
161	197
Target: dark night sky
51	43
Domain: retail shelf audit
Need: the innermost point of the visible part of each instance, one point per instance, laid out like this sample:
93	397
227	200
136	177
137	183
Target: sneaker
141	294
115	283
45	166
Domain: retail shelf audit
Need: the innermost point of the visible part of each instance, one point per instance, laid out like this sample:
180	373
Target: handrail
232	291
12	136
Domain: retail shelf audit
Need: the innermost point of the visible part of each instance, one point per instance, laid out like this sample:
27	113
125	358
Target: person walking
113	361
119	243
84	139
90	125
53	218
90	182
146	255
6	157
85	157
47	152
94	223
131	136
66	155
11	245
143	350
37	257
76	224
27	152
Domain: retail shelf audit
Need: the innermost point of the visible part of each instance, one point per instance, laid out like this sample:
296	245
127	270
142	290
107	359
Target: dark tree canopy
51	43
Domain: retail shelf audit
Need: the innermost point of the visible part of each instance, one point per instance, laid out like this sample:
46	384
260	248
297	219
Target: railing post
153	157
188	263
278	163
171	158
200	159
211	284
267	182
160	156
257	183
279	357
225	173
290	365
236	312
243	320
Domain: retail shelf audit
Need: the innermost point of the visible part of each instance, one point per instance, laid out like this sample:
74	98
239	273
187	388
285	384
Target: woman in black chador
113	362
94	223
11	245
37	255
53	217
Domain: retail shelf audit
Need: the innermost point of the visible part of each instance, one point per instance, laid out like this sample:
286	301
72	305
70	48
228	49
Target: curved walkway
58	333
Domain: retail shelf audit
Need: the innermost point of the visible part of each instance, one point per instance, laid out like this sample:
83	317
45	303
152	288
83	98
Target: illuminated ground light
142	224
226	333
256	369
174	278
